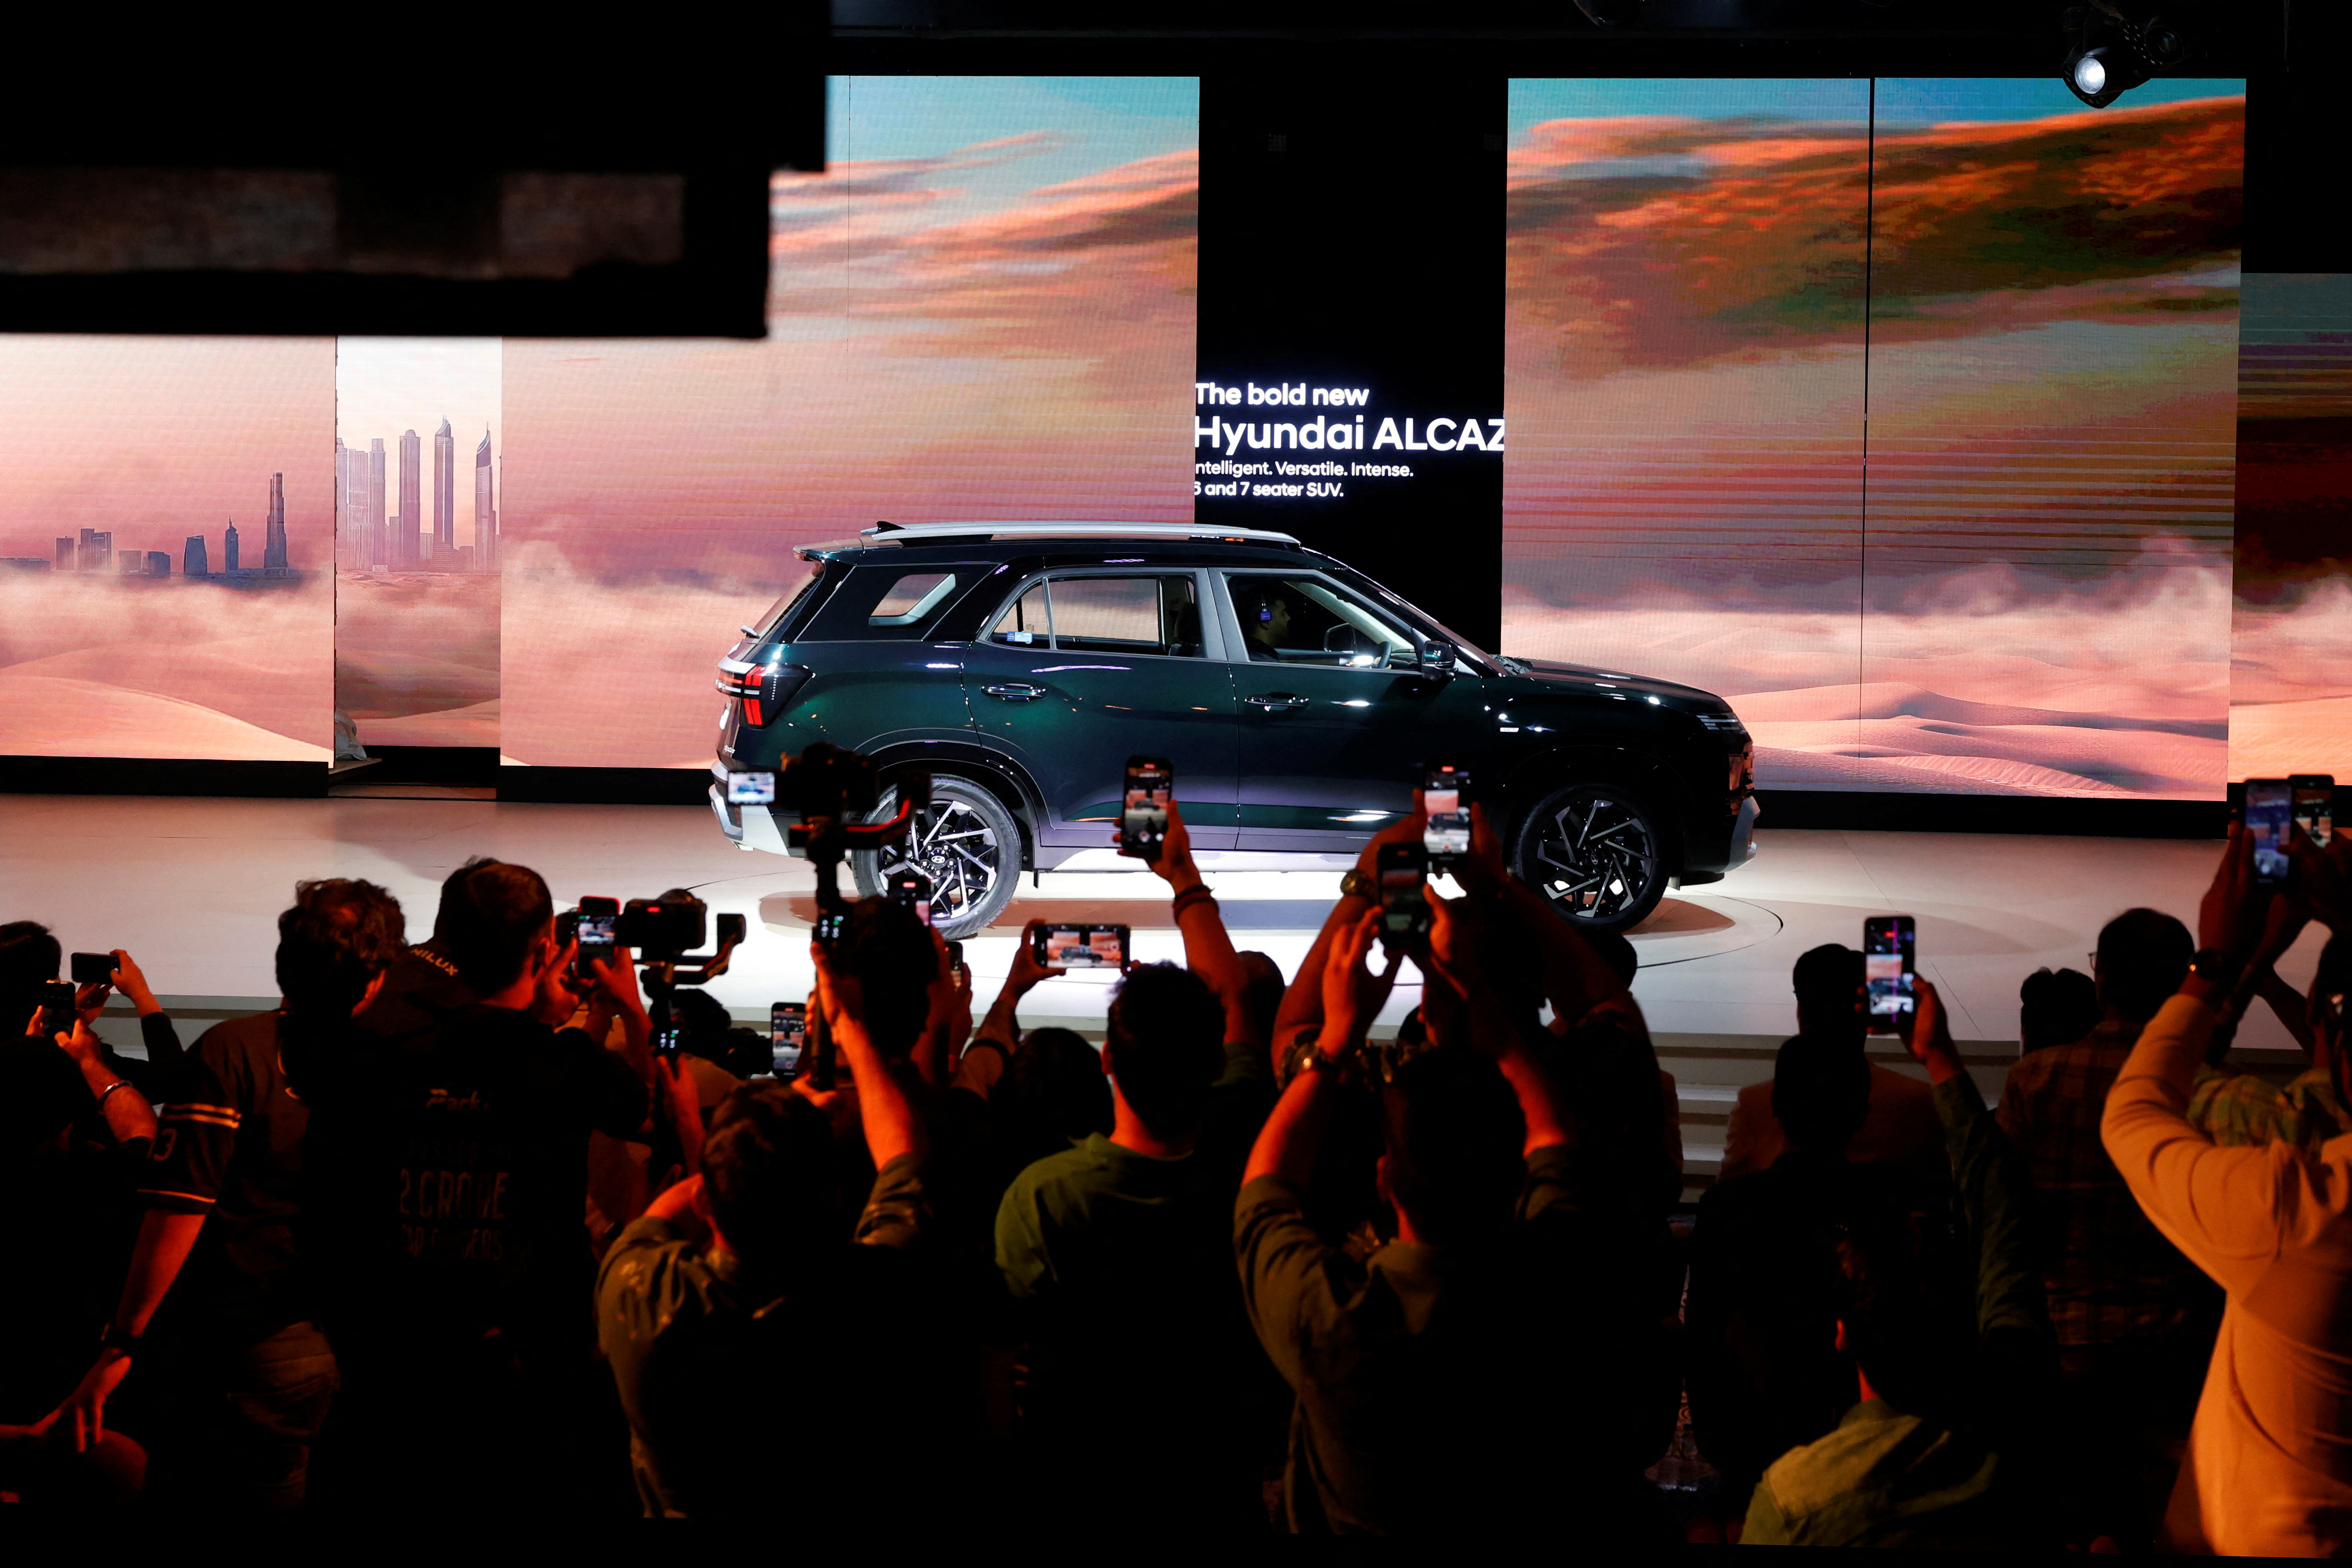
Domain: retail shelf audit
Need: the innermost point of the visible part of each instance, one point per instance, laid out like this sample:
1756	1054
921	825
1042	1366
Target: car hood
1585	678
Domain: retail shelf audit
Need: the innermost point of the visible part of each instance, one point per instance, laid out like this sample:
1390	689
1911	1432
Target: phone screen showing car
1402	872
2315	805
596	943
752	789
1077	946
1445	803
1889	948
1143	815
787	1037
2270	813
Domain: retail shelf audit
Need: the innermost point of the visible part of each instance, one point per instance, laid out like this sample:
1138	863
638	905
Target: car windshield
1468	650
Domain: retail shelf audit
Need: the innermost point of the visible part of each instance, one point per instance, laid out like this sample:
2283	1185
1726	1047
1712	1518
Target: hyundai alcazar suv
1021	664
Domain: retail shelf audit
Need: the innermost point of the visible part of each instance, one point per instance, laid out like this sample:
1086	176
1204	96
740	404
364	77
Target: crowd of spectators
446	1228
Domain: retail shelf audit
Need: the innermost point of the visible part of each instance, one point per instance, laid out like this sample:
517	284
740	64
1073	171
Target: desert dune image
1927	465
983	309
128	449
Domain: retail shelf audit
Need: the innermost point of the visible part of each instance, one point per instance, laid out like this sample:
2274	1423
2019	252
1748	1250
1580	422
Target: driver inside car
1270	626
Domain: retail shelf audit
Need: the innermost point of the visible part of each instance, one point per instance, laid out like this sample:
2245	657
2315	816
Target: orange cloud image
998	328
1927	466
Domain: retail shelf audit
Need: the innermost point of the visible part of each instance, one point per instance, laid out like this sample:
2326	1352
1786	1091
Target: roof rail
916	533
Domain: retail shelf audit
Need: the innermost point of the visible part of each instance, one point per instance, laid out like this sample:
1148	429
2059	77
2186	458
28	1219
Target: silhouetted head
492	914
770	1166
2055	1009
1164	1045
2144	956
340	935
1455	1139
1828	983
891	955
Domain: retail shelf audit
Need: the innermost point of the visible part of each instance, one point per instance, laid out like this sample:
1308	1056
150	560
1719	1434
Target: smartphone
752	789
1889	973
93	969
1402	873
1143	819
1446	800
1082	946
57	1008
912	888
955	958
787	1037
2315	805
595	923
2270	813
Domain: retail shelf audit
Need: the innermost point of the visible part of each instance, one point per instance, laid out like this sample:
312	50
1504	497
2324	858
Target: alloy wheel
1594	855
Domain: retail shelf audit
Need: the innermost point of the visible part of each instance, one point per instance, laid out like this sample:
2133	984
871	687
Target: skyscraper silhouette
379	548
444	491
486	516
411	510
228	551
159	563
97	552
193	562
65	555
346	521
273	538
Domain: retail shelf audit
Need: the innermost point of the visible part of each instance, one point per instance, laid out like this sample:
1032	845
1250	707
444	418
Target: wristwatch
2218	967
1357	885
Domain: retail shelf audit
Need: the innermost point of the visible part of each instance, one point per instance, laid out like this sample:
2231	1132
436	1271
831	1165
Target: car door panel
1072	715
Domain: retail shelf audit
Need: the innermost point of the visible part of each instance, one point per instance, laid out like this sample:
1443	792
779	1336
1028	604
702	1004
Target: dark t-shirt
745	1391
421	991
229	1146
69	1240
460	1156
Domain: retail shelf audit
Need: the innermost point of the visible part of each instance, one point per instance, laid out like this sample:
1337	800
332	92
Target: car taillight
765	690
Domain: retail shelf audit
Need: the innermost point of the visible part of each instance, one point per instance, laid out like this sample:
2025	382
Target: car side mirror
1437	659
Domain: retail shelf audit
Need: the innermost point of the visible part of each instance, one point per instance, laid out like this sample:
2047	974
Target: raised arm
1208	949
892	1131
128	1115
1453	952
1002	1024
1286	1144
1302	1004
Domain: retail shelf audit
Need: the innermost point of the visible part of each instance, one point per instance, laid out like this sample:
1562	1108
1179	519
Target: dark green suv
1024	663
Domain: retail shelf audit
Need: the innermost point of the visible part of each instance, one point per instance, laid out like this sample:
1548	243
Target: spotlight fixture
2112	46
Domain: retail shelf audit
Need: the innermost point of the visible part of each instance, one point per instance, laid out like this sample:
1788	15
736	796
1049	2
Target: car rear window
889	602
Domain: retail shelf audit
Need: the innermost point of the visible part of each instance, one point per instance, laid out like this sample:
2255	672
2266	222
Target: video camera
664	933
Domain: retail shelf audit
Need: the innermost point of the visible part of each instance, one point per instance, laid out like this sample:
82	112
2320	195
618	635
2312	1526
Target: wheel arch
992	770
1533	778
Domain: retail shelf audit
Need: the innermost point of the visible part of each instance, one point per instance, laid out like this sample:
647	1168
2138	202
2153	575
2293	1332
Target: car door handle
1014	692
1276	699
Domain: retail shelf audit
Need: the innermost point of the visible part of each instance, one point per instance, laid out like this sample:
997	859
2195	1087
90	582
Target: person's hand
1174	865
89	1000
131	981
1404	830
1351	995
81	1419
2235	907
1481	871
2323	875
616	980
1453	946
555	1001
80	1044
680	1094
1930	1040
1026	972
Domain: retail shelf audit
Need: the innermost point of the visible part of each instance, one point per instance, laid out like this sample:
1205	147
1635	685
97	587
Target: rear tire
1596	854
966	842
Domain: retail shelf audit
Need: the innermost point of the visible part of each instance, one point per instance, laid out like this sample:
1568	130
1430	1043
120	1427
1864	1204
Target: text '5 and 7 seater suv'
1023	664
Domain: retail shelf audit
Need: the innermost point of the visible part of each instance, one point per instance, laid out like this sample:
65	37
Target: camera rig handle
826	836
690	969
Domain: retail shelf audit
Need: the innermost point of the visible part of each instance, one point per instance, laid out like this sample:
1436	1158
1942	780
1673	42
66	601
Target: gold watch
1356	884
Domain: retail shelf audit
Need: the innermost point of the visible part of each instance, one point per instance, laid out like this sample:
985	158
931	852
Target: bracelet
114	1338
110	1089
1197	893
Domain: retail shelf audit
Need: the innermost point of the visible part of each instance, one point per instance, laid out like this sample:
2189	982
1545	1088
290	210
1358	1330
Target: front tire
1595	852
966	842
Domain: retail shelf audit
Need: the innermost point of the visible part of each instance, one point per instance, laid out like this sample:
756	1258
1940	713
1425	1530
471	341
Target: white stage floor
193	888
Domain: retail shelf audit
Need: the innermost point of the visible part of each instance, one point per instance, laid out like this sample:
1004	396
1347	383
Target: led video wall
1902	416
165	547
983	310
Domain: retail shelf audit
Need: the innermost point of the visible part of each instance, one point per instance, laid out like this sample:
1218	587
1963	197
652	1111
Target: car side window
1306	621
886	602
1159	615
1026	622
